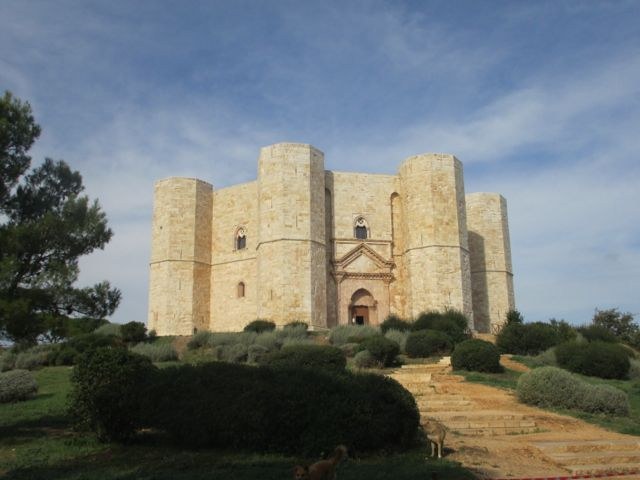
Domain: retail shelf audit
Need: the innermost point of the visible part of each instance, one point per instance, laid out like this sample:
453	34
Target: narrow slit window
240	291
241	239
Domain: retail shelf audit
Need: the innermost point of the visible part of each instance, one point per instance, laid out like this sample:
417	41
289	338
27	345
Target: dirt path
485	431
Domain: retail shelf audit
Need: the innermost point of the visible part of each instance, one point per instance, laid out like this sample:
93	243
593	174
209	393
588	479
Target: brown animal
322	470
435	434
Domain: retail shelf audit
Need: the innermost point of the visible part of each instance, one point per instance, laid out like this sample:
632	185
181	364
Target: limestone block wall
491	269
436	245
291	249
180	256
233	208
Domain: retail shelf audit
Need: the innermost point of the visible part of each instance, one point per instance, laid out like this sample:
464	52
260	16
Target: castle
327	248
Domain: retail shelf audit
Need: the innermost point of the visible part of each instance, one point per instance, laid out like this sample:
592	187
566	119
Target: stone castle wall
428	246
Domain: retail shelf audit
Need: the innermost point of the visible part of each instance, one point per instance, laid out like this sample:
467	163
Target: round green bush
297	325
425	320
554	387
156	352
258	408
364	359
399	337
393	322
16	385
260	326
133	332
256	354
108	388
235	353
350	334
451	322
527	338
477	356
311	356
381	348
427	343
350	349
596	359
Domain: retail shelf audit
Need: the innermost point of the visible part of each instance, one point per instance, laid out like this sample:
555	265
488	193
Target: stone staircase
458	413
586	457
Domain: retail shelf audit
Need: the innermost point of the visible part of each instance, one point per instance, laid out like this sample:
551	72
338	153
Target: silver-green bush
256	354
234	353
297	331
554	387
347	333
17	385
365	359
268	340
399	337
634	369
7	361
34	357
350	349
109	329
156	352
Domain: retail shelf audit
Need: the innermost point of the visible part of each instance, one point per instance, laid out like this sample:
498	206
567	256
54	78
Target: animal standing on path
435	434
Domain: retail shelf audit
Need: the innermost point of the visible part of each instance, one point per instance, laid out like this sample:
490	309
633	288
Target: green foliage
350	349
350	334
308	356
109	329
199	340
621	325
156	352
399	337
295	326
596	332
634	369
364	359
553	387
383	350
268	339
477	356
451	322
108	391
393	322
256	354
236	353
46	225
427	343
564	331
17	385
297	410
514	316
596	359
7	360
133	332
260	326
527	338
36	357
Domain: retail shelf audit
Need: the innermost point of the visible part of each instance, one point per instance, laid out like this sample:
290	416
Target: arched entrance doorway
361	306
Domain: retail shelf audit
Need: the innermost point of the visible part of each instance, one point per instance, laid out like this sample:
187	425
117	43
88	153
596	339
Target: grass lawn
629	425
37	442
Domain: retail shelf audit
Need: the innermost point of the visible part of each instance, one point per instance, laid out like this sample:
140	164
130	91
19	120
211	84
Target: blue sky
540	101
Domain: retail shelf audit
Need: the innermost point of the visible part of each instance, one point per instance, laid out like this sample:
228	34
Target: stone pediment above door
363	261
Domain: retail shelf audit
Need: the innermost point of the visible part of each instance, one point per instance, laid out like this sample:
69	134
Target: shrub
260	326
108	387
545	359
345	333
17	385
234	353
133	332
399	337
7	360
594	333
294	330
426	343
32	359
199	340
564	331
553	387
256	354
634	369
452	322
108	329
382	349
477	356
269	340
156	352
514	316
364	359
260	407
393	322
297	325
92	341
527	338
308	356
596	359
350	349
425	320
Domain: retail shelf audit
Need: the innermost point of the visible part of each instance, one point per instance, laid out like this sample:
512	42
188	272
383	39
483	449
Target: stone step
480	415
588	445
444	405
430	409
603	456
603	468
